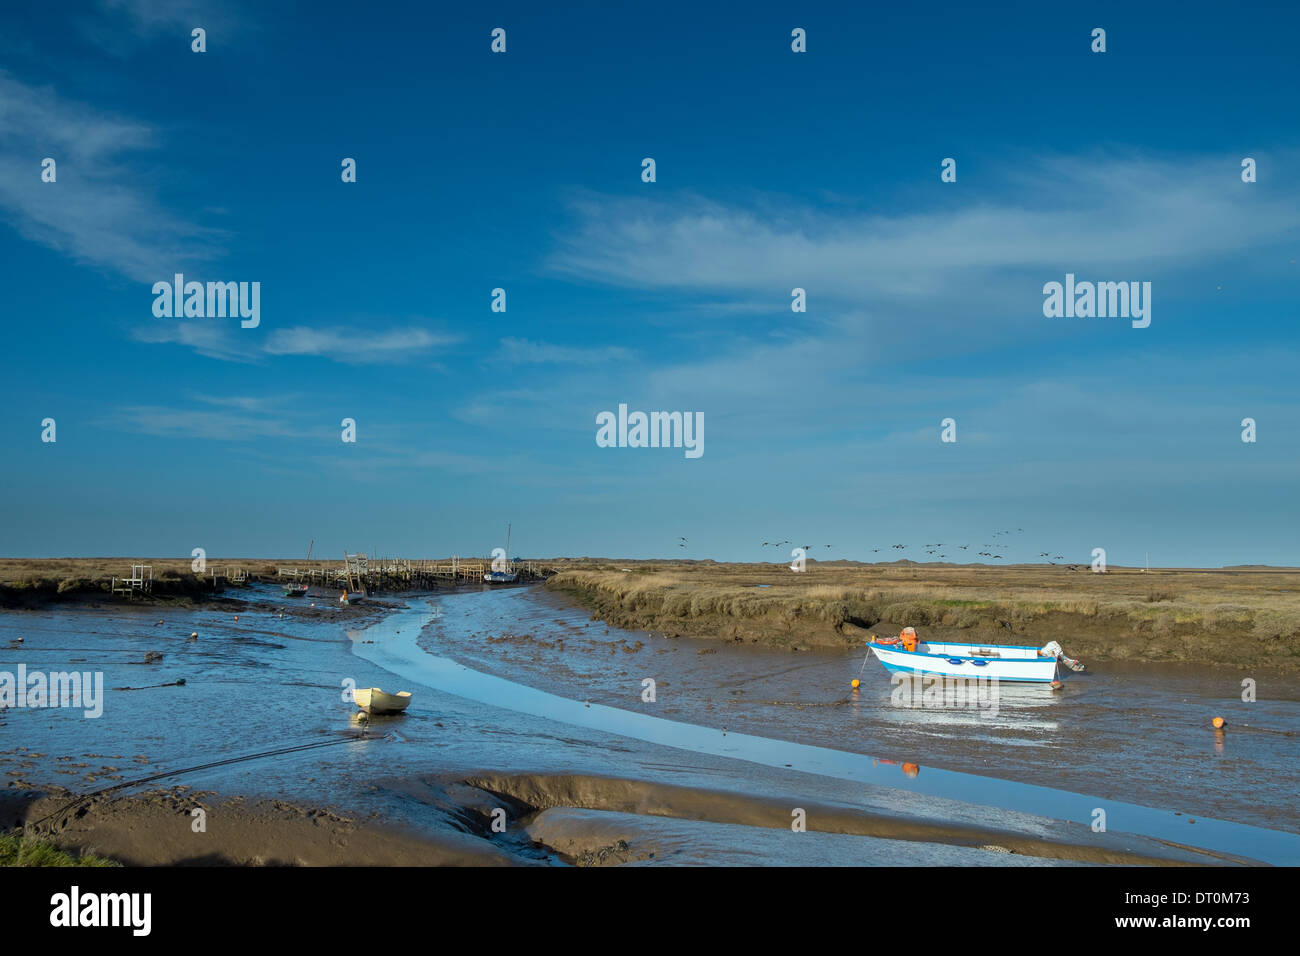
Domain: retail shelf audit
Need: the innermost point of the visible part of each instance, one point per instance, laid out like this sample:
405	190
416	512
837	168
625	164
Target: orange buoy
911	769
1219	723
855	683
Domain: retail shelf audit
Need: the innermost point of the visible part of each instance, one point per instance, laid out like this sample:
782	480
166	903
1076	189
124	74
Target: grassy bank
33	582
1240	617
17	850
30	582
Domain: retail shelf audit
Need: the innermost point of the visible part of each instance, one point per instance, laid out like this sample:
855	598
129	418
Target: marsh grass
1251	612
29	580
20	850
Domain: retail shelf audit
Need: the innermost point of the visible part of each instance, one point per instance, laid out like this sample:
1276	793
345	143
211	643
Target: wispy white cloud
1060	213
499	407
98	211
225	340
526	352
207	337
359	346
916	287
245	403
170	422
232	418
120	25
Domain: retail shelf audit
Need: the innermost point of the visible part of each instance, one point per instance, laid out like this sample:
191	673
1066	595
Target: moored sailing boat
354	591
502	574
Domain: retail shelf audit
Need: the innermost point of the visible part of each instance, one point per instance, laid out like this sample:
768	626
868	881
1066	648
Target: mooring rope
86	797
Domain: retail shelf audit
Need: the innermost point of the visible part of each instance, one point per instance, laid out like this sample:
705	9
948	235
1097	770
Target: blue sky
775	170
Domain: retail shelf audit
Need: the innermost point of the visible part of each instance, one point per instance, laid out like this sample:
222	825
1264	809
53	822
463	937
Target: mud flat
586	772
580	820
953	799
633	806
158	829
1123	731
1226	617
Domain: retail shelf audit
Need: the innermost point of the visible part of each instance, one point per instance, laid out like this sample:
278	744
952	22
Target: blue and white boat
1005	662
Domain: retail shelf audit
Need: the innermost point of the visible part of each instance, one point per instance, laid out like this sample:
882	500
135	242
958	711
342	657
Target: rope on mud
1260	730
87	797
864	661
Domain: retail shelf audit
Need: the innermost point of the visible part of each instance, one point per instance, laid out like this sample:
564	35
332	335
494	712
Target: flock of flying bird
931	548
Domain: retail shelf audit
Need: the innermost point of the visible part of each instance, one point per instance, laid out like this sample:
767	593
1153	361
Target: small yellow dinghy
375	701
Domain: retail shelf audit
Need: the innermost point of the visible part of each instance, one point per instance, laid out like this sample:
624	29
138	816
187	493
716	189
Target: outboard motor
1053	649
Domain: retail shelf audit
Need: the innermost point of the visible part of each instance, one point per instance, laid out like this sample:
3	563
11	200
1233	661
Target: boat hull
949	661
375	701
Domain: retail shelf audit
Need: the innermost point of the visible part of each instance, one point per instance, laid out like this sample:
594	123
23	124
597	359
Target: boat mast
507	548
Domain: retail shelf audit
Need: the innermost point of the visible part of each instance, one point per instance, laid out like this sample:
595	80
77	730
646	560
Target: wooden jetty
140	581
405	574
227	574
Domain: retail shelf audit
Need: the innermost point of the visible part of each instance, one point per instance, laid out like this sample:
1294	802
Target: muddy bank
493	819
530	794
1081	739
159	829
608	838
1240	619
167	592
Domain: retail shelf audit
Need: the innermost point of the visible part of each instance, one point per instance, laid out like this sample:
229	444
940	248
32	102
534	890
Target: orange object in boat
908	638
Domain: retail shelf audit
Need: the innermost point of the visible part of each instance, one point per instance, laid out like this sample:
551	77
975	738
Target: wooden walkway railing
140	581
